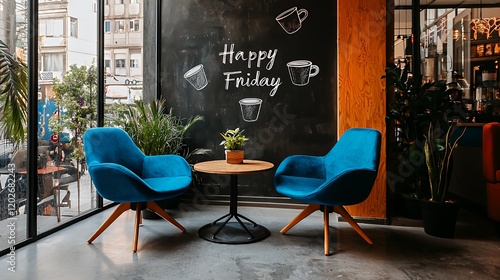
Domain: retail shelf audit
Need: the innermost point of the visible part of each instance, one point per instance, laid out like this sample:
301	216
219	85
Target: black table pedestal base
242	231
233	232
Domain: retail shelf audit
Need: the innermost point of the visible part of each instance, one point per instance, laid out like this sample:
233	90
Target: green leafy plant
410	111
438	152
233	139
13	96
76	98
155	129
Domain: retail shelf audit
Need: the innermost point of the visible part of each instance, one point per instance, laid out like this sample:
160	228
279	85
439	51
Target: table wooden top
45	170
222	167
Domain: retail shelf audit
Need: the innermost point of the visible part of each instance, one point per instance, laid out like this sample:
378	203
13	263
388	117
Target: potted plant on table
439	213
233	143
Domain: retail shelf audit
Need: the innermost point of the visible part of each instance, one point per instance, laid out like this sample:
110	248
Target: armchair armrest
165	166
302	166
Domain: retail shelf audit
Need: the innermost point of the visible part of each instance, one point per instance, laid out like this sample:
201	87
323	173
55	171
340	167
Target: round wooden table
233	232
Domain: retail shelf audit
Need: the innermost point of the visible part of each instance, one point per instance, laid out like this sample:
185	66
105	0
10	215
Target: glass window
134	63
52	62
134	1
118	2
107	26
73	27
107	63
134	25
51	27
119	25
120	63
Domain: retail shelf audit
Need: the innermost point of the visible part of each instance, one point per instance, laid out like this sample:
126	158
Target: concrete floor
400	251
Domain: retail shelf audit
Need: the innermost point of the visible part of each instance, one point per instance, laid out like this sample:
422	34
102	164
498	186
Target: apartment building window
134	1
52	27
107	26
134	63
106	2
118	2
73	27
134	25
107	63
119	25
120	63
52	62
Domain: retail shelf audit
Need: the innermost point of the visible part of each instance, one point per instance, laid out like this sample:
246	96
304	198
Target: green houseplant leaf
233	139
155	129
438	152
13	96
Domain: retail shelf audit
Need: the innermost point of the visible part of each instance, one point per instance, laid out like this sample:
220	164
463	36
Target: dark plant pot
439	219
407	206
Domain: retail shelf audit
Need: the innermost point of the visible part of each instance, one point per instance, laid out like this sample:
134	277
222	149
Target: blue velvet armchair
344	176
122	173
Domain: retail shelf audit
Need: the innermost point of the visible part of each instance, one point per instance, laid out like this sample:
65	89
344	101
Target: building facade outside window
119	26
134	25
53	62
107	26
73	27
51	27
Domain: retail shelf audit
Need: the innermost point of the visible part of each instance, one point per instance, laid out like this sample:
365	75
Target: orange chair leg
311	208
138	221
153	206
326	216
118	211
341	210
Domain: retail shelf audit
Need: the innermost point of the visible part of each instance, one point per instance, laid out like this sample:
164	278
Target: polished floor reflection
400	251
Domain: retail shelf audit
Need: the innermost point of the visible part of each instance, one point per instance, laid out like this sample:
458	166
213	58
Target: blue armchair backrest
112	145
357	148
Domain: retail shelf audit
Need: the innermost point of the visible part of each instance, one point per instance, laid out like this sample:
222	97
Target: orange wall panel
361	94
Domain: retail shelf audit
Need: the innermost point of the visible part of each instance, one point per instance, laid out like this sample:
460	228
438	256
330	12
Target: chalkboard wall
268	67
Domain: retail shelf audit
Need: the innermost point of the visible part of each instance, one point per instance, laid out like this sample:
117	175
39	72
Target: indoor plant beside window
439	213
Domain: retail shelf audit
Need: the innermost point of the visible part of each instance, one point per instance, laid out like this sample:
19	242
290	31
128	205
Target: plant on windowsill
439	213
233	143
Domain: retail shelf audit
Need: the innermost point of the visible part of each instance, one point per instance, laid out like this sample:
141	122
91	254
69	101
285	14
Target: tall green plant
438	152
13	96
155	130
77	101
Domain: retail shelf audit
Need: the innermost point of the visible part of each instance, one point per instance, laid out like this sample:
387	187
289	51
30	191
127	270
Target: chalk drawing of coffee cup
250	108
291	19
301	70
196	77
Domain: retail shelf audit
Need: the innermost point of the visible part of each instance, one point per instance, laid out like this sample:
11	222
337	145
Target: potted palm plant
439	213
233	143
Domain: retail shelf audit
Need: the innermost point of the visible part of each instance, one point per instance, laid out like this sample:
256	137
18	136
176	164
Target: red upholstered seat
491	168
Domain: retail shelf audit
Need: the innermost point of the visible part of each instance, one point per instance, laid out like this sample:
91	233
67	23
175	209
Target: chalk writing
240	79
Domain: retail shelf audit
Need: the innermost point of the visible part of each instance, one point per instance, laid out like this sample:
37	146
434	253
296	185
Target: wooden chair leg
118	211
341	210
138	221
311	208
153	206
326	216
